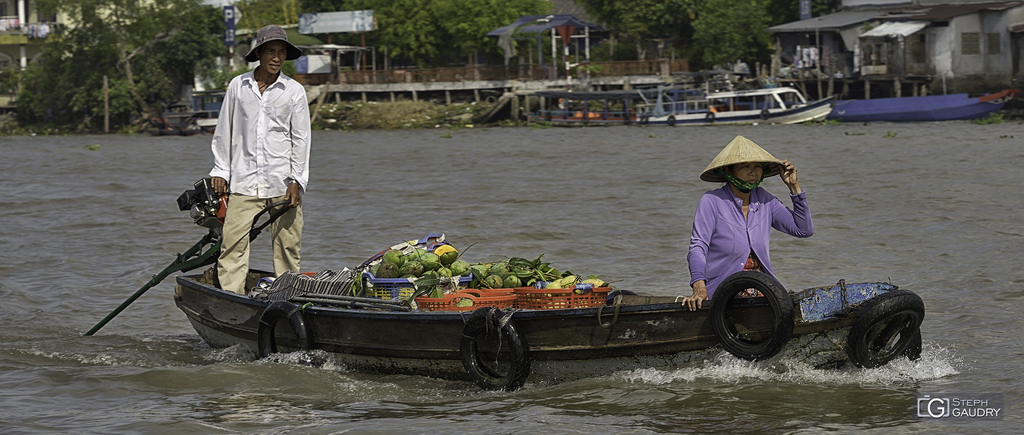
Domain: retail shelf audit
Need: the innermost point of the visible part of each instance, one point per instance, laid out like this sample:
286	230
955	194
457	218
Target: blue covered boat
926	108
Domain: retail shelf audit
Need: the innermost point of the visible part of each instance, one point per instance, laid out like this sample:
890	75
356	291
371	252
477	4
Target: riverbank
400	114
345	116
389	115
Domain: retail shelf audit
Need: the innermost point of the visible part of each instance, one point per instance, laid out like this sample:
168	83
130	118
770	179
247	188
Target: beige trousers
286	231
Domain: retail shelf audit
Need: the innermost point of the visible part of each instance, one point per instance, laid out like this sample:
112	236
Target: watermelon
493	281
387	270
430	261
500	269
394	257
512	281
459	268
414	268
449	257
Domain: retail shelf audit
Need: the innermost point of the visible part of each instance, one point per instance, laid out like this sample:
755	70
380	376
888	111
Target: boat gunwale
669	306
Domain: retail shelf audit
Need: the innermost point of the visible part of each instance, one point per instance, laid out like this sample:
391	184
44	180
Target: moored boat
780	105
182	119
921	108
682	106
591	108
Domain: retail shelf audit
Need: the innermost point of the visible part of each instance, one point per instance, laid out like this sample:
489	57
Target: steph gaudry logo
961	406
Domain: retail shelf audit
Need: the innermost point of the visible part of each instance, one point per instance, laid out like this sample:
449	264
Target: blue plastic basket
395	288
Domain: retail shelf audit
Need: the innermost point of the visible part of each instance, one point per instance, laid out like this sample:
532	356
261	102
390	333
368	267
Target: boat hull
683	107
641	331
814	111
921	109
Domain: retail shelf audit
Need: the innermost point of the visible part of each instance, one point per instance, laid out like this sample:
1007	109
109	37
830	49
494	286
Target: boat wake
935	362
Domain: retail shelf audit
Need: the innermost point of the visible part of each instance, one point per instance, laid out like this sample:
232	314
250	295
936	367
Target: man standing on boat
261	156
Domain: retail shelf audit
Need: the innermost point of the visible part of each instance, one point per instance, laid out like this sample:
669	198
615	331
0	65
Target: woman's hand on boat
787	171
696	300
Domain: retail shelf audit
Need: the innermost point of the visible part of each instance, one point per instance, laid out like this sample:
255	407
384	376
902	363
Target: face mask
740	185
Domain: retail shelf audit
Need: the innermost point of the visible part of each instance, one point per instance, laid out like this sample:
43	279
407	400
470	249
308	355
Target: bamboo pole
106	105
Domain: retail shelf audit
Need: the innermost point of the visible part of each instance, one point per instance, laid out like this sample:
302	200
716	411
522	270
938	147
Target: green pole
191	259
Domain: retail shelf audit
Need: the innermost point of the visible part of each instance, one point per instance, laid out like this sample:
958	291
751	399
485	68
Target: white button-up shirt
261	143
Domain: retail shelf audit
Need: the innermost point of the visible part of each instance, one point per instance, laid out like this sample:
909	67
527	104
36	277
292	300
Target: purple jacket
722	240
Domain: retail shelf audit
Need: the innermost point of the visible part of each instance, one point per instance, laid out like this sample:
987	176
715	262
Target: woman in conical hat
732	225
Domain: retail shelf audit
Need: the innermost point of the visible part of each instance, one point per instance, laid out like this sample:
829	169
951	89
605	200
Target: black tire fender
913	351
778	299
645	118
710	117
885	327
765	114
491	319
671	121
275	312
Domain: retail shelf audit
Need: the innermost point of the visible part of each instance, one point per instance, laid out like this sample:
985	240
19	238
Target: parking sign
229	24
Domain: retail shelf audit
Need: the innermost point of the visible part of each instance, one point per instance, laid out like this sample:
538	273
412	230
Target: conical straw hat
740	150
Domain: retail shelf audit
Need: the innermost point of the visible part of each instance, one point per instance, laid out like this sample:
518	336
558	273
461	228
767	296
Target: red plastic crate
529	298
480	299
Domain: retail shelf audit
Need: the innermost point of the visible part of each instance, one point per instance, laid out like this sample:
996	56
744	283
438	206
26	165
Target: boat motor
205	206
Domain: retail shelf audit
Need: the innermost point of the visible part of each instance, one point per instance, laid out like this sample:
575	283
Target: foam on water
935	362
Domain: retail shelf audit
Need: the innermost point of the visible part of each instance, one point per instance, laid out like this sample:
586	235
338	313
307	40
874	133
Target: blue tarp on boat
916	109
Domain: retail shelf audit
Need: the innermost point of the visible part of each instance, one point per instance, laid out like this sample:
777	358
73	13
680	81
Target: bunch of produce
439	271
520	272
429	272
443	262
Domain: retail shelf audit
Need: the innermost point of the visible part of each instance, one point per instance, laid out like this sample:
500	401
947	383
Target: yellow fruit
449	257
441	250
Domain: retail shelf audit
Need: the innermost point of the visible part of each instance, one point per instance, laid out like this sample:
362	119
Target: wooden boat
924	108
501	348
182	119
682	106
591	108
571	333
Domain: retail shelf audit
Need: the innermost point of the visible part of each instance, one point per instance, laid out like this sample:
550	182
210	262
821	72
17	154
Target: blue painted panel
825	302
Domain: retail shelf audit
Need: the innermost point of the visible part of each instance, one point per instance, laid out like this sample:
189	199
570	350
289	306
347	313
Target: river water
930	207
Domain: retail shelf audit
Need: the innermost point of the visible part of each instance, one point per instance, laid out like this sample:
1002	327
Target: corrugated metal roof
831	22
895	28
540	23
946	12
845	19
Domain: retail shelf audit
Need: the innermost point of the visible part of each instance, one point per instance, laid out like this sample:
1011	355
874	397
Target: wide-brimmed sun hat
740	150
272	33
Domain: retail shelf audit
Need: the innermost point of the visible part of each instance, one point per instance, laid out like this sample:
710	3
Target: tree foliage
639	22
259	13
432	32
785	11
146	50
707	32
726	31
